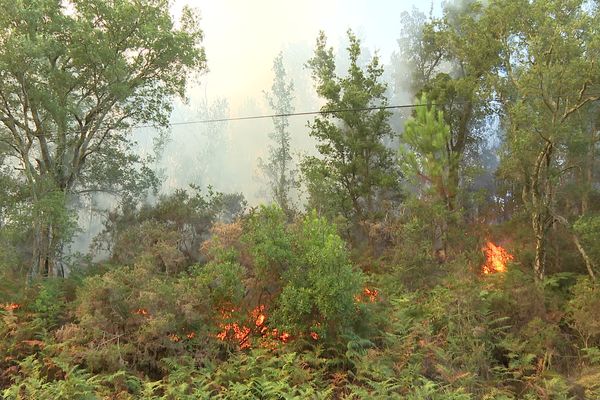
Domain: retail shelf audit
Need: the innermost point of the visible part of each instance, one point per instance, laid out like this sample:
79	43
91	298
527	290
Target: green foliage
304	270
584	311
35	382
74	80
357	169
544	101
588	228
427	158
279	167
167	235
136	317
255	375
270	246
202	300
321	286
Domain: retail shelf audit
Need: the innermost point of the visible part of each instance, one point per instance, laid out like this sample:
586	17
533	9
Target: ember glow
11	307
367	296
174	338
141	311
242	334
255	329
496	258
371	294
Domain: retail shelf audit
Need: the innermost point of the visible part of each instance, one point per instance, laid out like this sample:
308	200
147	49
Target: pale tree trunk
440	240
588	173
43	254
540	193
589	265
539	265
588	262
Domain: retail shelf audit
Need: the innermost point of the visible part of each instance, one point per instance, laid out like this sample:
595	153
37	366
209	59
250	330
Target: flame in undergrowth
367	296
258	329
371	294
496	258
142	311
11	306
174	338
242	334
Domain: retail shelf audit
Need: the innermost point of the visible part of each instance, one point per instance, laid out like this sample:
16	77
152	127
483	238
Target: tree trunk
589	265
440	241
540	257
540	230
43	244
588	173
588	262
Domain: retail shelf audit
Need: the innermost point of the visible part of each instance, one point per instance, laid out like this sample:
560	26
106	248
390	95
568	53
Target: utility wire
322	112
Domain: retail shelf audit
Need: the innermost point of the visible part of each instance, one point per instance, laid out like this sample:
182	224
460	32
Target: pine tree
279	167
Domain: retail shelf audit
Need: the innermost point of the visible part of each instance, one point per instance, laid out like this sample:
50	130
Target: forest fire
141	311
257	326
241	333
367	295
11	307
496	258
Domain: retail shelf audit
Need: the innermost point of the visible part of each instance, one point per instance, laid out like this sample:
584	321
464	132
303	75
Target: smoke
241	41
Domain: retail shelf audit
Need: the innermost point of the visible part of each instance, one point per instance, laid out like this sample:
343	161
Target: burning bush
496	258
132	316
301	273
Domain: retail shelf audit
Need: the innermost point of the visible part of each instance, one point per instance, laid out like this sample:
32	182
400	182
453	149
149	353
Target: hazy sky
241	39
243	36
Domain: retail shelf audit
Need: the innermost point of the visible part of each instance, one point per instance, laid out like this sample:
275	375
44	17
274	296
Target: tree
449	58
304	270
548	69
356	168
74	78
429	161
279	167
427	157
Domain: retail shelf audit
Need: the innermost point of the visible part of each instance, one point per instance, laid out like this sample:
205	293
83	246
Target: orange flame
174	338
11	306
285	337
367	296
371	294
496	258
242	334
258	328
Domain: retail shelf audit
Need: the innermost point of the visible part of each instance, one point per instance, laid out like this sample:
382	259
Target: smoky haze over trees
263	203
279	167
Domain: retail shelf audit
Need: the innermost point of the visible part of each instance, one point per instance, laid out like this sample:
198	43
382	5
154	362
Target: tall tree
449	59
428	160
546	83
356	168
427	157
74	78
279	166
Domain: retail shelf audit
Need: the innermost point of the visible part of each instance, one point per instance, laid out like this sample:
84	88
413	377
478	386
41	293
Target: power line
304	113
322	112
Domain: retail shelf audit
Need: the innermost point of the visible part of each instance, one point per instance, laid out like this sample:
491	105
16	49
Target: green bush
132	318
584	311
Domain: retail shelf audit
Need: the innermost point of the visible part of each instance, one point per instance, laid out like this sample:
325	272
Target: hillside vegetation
446	250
